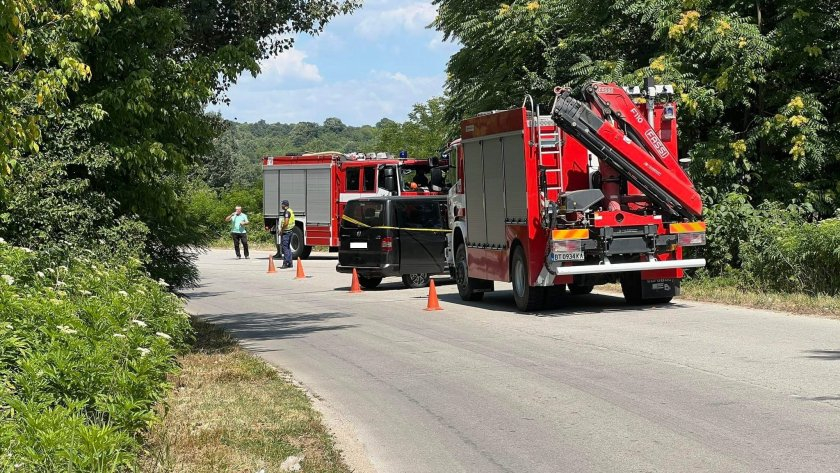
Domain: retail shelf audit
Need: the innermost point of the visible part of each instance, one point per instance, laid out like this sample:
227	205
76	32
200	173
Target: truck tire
369	283
466	284
528	298
299	250
577	290
416	281
631	287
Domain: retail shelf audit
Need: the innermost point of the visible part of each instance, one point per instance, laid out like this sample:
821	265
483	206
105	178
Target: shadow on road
823	354
272	326
565	306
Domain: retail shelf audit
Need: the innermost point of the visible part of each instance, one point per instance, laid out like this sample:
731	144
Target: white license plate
576	256
358	245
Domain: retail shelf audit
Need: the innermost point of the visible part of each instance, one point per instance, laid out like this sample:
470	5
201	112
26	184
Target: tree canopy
758	83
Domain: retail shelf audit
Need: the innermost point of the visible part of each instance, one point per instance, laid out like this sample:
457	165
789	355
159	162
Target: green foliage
40	62
794	258
757	82
210	207
424	134
85	348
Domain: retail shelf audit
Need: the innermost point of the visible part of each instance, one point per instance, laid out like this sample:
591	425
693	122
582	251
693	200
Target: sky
373	64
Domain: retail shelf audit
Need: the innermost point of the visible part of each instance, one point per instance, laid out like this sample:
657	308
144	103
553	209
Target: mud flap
660	288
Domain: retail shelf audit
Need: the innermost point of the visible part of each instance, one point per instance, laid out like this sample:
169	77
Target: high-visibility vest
290	223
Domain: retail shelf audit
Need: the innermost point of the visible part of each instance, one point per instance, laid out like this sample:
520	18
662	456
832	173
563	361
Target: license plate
358	245
575	256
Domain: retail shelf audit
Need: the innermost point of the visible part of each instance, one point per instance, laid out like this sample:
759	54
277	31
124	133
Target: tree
425	133
757	82
141	84
334	125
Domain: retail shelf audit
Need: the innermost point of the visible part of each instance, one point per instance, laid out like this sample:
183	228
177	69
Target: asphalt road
593	386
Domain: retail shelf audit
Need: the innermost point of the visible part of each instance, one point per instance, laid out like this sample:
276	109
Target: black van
394	236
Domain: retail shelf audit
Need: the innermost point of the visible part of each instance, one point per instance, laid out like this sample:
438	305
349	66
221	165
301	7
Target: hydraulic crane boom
637	153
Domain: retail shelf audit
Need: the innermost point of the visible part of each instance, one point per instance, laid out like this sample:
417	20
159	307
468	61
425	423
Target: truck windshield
363	214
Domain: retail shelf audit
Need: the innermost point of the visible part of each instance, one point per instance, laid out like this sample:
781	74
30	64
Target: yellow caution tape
382	227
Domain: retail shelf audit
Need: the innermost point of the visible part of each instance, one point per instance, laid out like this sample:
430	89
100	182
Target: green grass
731	291
231	412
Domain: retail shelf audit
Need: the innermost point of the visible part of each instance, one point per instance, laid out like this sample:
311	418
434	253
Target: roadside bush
794	258
211	208
85	348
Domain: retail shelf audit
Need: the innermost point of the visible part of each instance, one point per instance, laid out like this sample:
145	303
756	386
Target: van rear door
423	227
366	240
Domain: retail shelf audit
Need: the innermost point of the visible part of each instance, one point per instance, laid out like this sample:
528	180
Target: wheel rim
294	242
417	279
461	274
519	278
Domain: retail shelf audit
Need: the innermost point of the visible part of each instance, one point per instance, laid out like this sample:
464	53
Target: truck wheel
299	250
466	285
416	281
578	290
631	287
528	298
369	283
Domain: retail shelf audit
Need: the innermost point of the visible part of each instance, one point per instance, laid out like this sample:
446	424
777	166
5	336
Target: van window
370	179
351	179
369	214
419	215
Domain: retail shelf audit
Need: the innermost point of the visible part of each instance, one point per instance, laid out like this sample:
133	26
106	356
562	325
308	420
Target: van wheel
466	284
528	298
416	281
578	290
369	283
299	250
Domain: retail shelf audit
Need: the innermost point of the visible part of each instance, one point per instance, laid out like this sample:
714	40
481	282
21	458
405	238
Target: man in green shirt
238	222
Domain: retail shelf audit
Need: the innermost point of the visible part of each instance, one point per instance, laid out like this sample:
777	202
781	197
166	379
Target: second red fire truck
592	193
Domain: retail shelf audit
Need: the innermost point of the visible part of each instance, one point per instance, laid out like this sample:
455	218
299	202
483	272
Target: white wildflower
60	283
63	268
9	280
41	274
2	241
65	329
123	293
162	283
51	270
139	323
119	335
143	351
163	336
26	250
9	327
85	292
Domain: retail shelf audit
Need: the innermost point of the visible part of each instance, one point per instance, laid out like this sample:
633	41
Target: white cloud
290	64
357	102
411	18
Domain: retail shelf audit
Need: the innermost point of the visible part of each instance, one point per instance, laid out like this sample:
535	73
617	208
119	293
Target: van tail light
387	244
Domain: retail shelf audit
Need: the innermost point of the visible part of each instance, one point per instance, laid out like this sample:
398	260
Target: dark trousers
286	242
240	237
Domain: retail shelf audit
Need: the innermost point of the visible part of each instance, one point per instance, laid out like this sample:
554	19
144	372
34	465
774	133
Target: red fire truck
318	186
590	194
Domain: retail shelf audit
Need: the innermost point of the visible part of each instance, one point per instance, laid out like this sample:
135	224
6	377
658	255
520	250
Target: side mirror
388	179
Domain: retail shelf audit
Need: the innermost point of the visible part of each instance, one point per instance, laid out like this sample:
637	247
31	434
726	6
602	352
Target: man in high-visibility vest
285	227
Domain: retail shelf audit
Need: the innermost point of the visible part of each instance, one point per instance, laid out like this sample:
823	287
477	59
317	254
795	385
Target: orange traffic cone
300	273
355	288
433	304
271	268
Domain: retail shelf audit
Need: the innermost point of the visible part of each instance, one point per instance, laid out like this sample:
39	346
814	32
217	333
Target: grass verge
728	291
230	411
